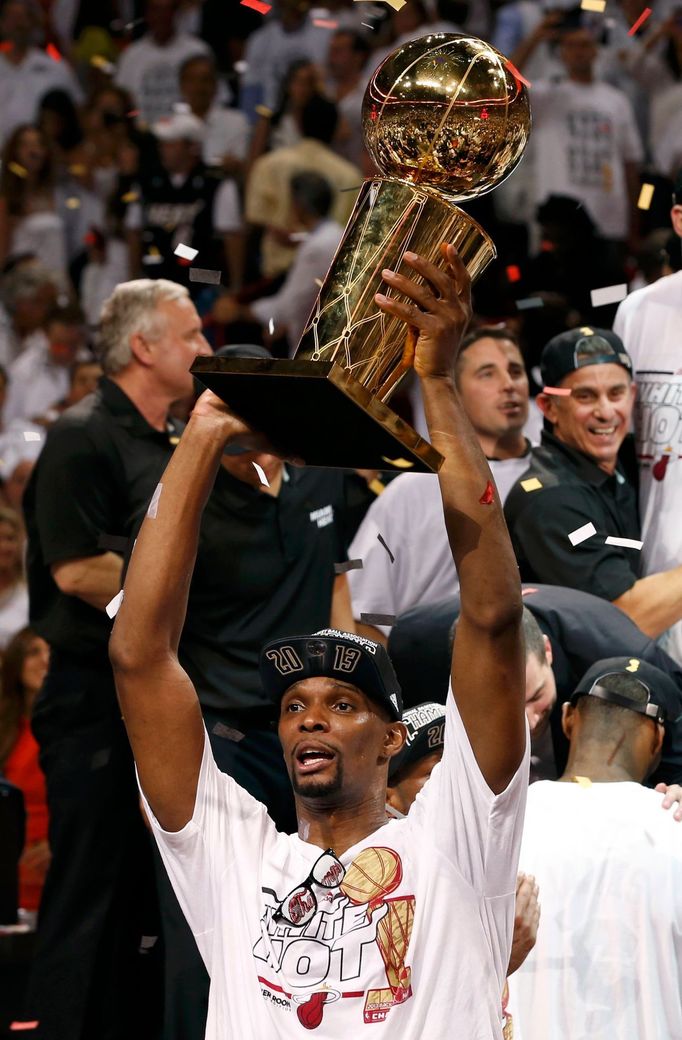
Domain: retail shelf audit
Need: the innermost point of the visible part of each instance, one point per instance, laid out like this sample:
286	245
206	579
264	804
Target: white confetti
261	474
113	605
31	435
186	252
609	294
271	327
154	504
581	534
626	543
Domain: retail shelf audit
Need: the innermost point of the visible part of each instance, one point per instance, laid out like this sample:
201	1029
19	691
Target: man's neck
163	41
342	827
582	77
346	83
201	110
510	446
151	403
598	769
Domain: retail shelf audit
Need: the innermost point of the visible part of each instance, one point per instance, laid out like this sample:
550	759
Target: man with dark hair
226	131
286	311
298	929
493	385
608	959
347	79
268	191
573	514
565	631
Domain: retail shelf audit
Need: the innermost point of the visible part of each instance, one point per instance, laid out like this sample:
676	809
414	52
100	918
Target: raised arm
159	703
488	659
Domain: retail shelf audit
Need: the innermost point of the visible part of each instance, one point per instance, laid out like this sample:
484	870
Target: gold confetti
78	169
17	169
587	331
633	666
532	484
400	463
593	5
98	61
263	110
582	781
73	202
645	196
318	281
130	196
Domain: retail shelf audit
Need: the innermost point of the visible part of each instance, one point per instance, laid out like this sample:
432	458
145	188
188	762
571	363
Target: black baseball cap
664	698
578	348
337	655
425	725
245	350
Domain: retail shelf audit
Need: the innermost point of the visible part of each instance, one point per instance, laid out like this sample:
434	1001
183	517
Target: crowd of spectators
130	129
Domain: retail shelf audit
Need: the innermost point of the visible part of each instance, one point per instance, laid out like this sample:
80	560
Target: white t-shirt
269	53
150	72
13	612
35	383
649	322
409	517
416	936
227	133
608	958
23	86
291	306
583	134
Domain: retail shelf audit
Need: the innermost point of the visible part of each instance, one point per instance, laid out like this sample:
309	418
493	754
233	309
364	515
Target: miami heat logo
362	914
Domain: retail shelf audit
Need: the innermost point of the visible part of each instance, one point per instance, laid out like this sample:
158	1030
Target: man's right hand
211	410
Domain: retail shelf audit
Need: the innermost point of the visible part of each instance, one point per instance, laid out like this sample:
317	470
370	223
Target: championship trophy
445	119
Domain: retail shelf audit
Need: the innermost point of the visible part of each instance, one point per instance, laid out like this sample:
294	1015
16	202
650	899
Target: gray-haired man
95	477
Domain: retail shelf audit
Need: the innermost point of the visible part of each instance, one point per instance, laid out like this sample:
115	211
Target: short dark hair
532	633
603	718
312	193
65	314
319	119
85	362
498	332
207	58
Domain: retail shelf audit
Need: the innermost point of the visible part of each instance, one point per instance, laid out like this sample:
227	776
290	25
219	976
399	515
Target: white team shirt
23	86
414	941
409	517
583	133
649	322
150	72
36	383
608	959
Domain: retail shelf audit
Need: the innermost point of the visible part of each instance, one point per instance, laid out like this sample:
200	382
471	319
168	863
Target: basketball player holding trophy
402	926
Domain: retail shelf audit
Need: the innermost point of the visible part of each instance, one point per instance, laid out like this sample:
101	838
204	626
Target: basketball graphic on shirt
373	874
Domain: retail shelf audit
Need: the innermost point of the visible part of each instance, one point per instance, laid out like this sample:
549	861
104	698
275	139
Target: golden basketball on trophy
445	119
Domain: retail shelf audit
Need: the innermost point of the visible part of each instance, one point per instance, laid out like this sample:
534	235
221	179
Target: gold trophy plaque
445	119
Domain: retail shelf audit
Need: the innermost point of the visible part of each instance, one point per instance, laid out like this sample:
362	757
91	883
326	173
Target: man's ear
394	739
676	219
140	348
547	405
549	653
568	716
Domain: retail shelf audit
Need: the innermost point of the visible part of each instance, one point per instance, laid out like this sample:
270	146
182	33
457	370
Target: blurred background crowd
131	127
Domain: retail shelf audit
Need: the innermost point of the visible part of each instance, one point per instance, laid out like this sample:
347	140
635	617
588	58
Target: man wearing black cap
573	515
649	322
354	920
608	959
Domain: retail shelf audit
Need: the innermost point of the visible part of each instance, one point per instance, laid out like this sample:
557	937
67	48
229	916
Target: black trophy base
316	411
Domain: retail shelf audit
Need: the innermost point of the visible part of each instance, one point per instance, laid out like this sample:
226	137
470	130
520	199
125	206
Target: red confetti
133	113
640	21
488	496
484	114
325	23
374	115
514	273
6	46
256	5
16	1026
516	74
52	52
528	592
183	261
557	391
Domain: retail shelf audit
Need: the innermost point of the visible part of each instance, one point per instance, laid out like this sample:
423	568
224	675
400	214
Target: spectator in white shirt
287	311
226	131
13	591
586	142
347	81
39	378
149	67
493	387
29	292
26	73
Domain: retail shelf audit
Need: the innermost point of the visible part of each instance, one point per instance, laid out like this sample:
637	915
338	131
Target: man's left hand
673	797
439	313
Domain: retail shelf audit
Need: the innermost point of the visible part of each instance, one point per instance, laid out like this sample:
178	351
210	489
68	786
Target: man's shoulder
411	493
87	419
546	475
666	290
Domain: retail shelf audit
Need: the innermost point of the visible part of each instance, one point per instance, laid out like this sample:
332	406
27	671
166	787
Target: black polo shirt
573	491
582	630
264	569
93	480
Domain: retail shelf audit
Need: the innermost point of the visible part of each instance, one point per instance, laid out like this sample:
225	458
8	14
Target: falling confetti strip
640	21
31	435
98	61
515	72
557	391
52	52
593	5
532	484
113	605
581	534
348	565
261	474
325	23
646	194
378	619
625	543
17	169
73	202
609	294
201	274
185	252
130	196
399	463
513	273
381	540
530	303
256	5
